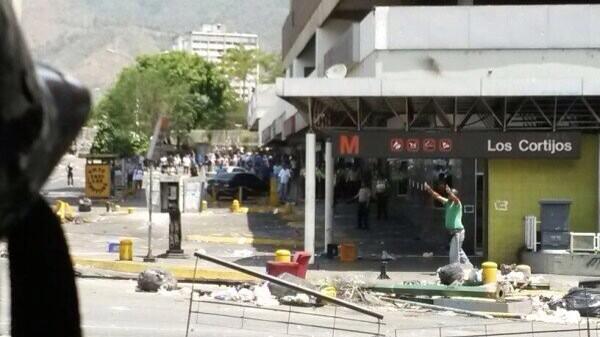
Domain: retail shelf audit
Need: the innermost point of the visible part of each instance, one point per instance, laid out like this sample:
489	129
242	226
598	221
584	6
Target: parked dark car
228	184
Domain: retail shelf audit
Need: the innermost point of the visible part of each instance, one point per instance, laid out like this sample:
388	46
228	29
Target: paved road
113	308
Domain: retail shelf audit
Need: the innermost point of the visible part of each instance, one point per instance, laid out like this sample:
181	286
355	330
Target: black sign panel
387	144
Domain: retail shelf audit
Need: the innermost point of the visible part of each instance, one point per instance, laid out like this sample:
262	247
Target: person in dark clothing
363	197
381	195
69	174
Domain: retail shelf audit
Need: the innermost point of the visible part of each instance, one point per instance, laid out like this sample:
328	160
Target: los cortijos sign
387	144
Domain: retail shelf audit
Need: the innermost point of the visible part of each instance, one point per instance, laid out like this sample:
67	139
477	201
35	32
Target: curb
181	273
240	240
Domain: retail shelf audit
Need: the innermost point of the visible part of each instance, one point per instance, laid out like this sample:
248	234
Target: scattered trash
585	301
63	211
227	294
246	295
428	254
329	291
280	291
85	205
302	300
516	277
151	280
263	296
242	253
451	273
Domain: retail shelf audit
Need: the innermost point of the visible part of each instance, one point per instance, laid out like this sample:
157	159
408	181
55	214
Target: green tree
271	67
239	63
190	91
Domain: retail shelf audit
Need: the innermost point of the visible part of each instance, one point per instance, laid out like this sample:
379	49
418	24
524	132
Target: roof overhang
435	87
447	103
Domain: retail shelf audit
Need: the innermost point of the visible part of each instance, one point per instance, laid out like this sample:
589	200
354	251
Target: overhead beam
541	111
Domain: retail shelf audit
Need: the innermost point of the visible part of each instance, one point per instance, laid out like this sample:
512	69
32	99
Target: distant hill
77	35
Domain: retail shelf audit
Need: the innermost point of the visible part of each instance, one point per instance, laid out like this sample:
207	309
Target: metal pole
309	196
287	284
149	257
328	194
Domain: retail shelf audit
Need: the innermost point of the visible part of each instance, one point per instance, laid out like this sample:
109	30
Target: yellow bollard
273	196
489	272
130	210
204	205
283	255
126	250
235	206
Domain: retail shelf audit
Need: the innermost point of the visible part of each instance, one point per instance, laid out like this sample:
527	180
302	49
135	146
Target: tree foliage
192	92
240	62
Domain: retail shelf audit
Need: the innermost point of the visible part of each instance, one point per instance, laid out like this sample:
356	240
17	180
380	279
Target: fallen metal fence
290	318
339	323
525	329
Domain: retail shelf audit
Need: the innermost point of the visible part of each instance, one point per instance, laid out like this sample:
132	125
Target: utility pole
161	124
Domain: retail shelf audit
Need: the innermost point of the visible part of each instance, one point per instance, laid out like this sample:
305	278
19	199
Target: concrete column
309	195
329	183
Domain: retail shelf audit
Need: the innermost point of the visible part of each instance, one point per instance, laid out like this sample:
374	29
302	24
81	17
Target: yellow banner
97	181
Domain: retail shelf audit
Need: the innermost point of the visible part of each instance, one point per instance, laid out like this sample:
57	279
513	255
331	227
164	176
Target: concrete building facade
466	72
212	41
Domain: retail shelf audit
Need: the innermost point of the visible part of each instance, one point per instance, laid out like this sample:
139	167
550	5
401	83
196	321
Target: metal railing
590	247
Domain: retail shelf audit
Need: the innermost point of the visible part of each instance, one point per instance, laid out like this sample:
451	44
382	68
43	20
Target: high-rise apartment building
212	41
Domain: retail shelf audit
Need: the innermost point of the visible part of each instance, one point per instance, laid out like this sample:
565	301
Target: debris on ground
63	211
451	274
242	253
301	300
151	280
585	301
544	312
263	296
281	291
85	205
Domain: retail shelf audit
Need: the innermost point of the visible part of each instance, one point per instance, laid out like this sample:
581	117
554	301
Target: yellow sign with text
97	181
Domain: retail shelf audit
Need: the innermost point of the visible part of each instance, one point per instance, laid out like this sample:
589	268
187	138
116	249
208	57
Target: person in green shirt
453	223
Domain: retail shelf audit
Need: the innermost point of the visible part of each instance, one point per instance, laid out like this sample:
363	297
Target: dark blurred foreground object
41	113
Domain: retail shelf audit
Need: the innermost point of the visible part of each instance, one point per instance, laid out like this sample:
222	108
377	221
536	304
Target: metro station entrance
403	210
467	142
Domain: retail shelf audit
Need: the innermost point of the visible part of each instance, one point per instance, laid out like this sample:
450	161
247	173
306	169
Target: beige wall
18	6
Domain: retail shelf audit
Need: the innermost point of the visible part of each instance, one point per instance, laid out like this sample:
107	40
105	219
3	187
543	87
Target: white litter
263	296
242	253
246	295
428	254
227	294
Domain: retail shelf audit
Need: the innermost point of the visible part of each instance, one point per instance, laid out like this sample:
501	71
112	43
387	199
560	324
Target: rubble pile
151	280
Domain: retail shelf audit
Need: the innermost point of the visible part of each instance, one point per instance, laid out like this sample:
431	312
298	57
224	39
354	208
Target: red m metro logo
349	145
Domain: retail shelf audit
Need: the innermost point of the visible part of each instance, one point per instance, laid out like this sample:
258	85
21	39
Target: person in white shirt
284	179
138	177
363	197
187	162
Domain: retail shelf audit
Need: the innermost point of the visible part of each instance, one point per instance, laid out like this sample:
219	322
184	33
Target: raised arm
451	195
434	194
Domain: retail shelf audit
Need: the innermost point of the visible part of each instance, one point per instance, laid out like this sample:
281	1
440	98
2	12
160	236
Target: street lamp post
160	124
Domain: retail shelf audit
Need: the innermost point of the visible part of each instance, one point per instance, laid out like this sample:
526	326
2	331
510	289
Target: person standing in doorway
284	179
453	222
381	195
363	197
69	174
